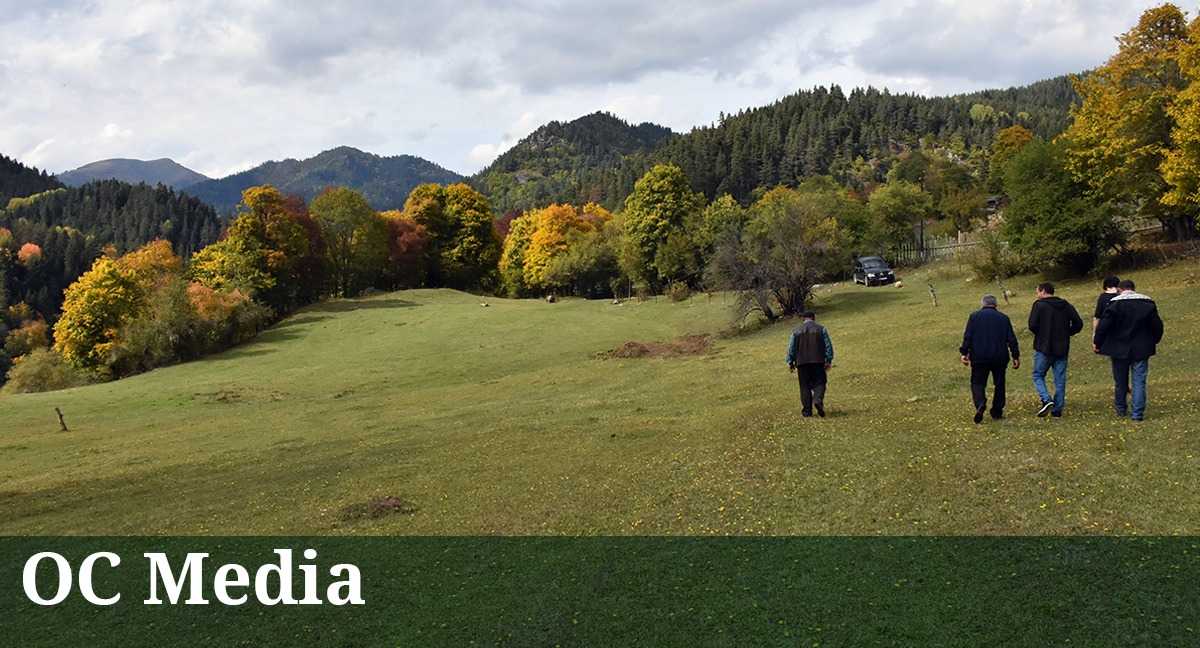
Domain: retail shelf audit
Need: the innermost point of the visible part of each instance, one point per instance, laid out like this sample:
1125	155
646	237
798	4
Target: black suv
873	271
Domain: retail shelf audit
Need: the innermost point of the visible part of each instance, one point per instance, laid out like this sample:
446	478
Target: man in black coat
1053	321
1129	332
988	343
1110	290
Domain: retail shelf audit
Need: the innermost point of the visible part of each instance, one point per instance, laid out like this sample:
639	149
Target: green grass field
506	420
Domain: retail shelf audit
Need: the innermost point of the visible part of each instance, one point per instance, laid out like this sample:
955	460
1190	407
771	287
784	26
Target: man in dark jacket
1053	321
1129	332
988	342
1110	290
810	355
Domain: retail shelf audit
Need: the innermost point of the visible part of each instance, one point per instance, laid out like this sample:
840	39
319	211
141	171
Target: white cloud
113	131
38	153
482	154
221	82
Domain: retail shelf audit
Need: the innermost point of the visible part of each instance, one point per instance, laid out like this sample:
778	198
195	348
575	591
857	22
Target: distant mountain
823	131
161	171
19	181
385	181
570	161
811	132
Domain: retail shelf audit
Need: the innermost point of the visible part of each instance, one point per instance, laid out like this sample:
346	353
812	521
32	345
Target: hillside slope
73	225
504	420
385	181
161	171
573	162
19	181
810	132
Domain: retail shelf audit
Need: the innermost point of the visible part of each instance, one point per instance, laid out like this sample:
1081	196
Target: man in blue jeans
1053	321
1129	332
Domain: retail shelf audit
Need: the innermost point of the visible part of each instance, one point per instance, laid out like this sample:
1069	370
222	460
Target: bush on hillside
992	258
678	291
42	370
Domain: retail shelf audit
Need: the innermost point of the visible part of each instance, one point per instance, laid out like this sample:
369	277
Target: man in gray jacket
810	355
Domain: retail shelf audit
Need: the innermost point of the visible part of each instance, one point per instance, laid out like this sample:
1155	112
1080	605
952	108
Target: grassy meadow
422	412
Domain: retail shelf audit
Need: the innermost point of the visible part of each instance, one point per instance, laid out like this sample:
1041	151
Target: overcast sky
223	85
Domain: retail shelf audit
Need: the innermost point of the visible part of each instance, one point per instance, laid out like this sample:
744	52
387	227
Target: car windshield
875	264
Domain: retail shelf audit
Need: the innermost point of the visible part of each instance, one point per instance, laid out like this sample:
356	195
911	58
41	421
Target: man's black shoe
996	416
806	414
1046	407
1056	414
820	410
979	415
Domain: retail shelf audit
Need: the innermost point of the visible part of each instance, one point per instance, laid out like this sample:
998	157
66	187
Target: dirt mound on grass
376	508
685	346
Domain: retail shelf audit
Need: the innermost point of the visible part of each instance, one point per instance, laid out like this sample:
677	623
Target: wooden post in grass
61	422
933	295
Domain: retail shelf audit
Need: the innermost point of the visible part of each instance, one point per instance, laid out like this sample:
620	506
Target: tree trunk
1180	228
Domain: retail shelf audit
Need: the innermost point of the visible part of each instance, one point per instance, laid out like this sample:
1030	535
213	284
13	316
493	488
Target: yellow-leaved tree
552	227
94	308
512	260
1181	168
1122	131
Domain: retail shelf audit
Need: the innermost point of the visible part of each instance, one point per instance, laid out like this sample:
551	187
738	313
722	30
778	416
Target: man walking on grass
1129	332
988	343
1053	321
1110	290
810	355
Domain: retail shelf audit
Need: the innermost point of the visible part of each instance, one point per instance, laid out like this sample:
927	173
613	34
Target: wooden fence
946	247
935	248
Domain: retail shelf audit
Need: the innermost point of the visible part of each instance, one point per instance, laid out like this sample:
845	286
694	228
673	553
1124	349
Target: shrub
43	370
678	291
992	258
31	335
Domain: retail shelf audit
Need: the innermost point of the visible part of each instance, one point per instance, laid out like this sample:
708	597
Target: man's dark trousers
812	386
979	379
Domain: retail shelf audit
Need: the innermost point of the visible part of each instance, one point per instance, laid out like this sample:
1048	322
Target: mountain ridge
384	180
131	170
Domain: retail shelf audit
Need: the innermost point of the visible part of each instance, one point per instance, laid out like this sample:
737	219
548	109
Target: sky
224	85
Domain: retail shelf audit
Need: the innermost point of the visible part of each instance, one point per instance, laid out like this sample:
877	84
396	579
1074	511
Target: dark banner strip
604	591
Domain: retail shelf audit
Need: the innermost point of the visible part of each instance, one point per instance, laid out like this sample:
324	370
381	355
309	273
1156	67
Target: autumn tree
234	263
1181	168
661	203
270	251
1051	219
552	228
512	259
589	267
1007	143
32	334
29	254
470	253
407	242
356	239
1122	132
95	308
463	247
789	243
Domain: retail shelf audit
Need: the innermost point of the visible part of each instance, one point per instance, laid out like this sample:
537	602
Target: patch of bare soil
687	345
378	507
